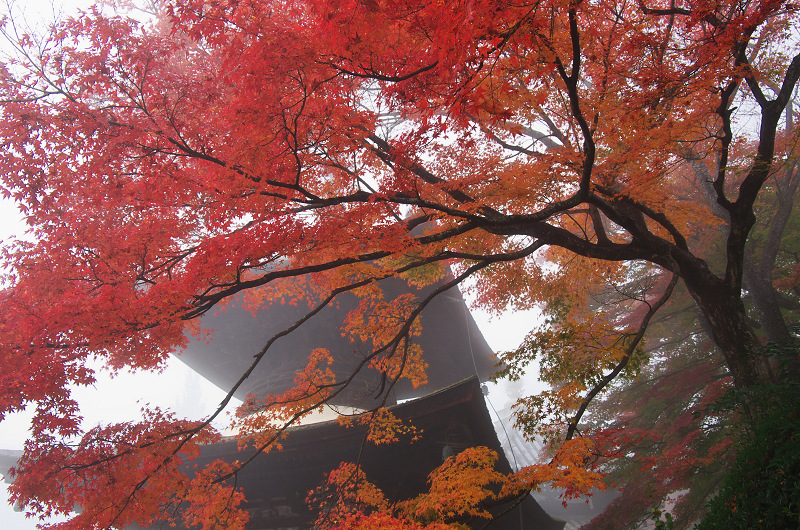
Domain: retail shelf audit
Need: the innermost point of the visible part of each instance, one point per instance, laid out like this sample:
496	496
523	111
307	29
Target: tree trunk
765	302
758	270
731	330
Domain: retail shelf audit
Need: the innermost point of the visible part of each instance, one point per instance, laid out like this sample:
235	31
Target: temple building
277	483
450	410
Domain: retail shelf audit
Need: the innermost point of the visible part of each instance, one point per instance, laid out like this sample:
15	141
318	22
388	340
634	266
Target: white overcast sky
176	388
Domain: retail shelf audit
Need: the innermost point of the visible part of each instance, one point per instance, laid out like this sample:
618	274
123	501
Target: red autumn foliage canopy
218	148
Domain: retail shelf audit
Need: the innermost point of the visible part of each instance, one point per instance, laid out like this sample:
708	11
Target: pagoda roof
452	345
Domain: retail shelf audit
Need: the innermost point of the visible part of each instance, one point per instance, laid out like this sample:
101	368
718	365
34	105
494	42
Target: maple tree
165	165
686	449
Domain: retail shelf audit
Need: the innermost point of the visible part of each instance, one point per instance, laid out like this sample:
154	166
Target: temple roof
8	459
453	346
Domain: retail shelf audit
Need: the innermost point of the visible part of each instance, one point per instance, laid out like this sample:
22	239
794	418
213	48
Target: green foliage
638	360
762	489
666	524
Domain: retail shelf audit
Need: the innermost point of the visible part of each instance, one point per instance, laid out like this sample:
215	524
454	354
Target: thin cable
486	397
487	400
469	341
